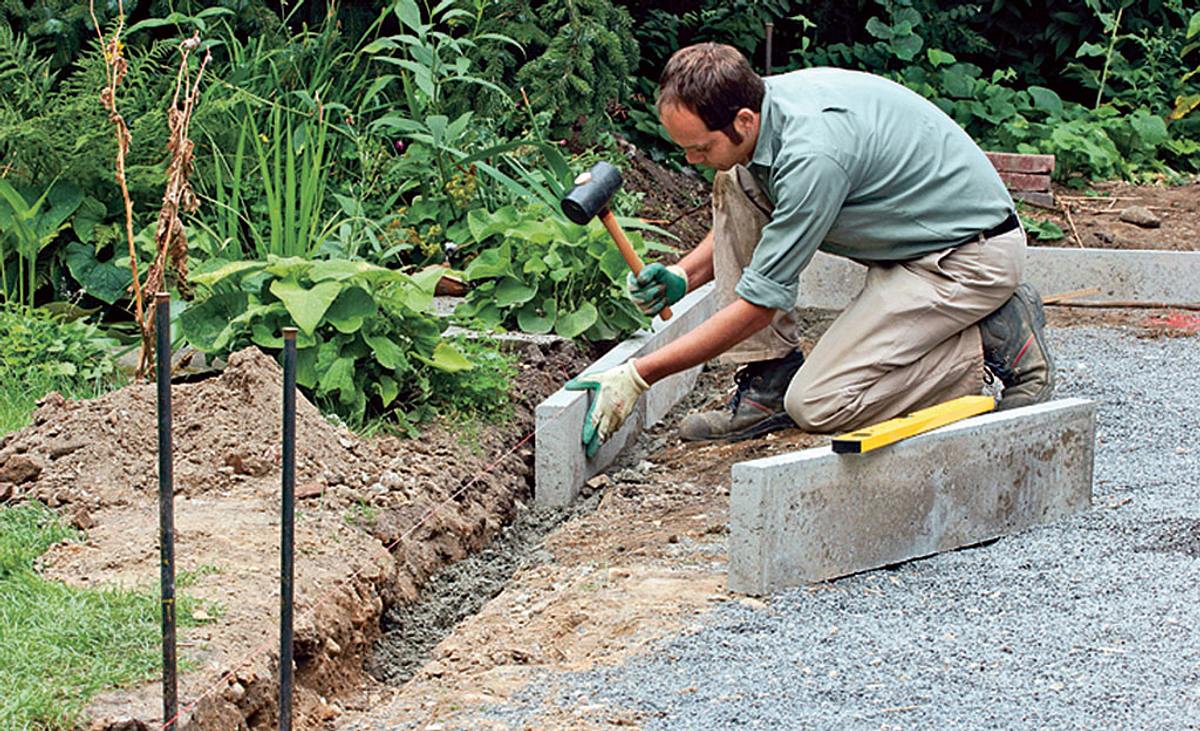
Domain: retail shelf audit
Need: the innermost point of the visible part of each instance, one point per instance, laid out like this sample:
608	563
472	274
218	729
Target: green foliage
1089	142
43	353
585	67
293	171
61	644
1042	230
540	273
62	132
28	224
482	390
364	339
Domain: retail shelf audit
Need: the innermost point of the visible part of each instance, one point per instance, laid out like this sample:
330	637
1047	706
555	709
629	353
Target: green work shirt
860	166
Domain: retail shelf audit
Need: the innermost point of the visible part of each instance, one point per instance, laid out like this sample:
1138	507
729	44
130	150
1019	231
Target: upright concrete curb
830	282
559	463
814	515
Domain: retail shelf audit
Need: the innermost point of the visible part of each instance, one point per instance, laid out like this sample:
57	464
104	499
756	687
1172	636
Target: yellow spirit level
918	422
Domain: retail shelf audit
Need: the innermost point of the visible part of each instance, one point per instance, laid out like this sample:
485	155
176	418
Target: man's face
703	146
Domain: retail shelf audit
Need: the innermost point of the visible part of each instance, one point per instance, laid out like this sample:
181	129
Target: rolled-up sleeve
809	193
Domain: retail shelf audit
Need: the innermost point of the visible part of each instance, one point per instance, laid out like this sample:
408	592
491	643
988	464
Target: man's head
710	101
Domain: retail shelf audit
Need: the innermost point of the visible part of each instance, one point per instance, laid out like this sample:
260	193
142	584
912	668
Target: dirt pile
104	451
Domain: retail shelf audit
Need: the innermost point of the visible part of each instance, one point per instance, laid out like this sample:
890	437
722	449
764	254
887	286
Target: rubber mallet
590	197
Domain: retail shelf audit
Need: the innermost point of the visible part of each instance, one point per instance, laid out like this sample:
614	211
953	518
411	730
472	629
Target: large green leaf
306	367
352	307
103	280
388	389
495	262
538	320
572	324
203	323
306	306
338	376
91	212
447	358
387	352
212	277
1046	100
340	269
511	291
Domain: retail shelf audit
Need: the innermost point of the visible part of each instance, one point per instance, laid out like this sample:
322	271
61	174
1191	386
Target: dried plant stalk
170	238
115	67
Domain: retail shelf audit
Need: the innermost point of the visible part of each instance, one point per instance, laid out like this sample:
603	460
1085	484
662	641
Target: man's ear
745	122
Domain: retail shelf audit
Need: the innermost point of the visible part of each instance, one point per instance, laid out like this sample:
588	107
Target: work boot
1014	349
756	407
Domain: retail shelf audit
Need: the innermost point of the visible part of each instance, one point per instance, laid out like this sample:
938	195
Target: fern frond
25	79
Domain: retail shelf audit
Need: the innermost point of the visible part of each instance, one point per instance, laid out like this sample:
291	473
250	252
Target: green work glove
614	394
656	286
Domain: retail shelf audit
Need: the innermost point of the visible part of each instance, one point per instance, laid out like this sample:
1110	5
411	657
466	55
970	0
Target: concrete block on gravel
560	467
830	282
814	515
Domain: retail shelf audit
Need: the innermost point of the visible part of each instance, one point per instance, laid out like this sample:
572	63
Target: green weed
40	354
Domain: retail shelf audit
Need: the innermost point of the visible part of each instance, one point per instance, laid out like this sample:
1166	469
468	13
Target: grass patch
62	645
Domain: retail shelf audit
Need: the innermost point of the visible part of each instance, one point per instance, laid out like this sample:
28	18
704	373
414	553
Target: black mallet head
592	192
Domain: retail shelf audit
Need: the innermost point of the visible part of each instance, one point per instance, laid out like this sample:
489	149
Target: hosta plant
365	340
539	273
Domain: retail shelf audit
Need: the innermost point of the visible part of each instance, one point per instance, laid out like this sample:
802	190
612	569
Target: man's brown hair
714	81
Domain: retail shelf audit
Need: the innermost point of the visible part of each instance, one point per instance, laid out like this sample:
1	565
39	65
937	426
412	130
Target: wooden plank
1012	162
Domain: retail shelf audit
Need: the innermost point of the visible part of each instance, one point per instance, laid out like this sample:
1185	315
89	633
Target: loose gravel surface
1093	622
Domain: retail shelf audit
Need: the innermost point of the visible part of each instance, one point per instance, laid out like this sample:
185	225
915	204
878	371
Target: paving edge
830	282
560	467
813	515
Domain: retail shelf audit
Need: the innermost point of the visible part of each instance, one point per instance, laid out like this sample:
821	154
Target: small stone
248	464
332	647
672	538
1140	216
20	468
599	482
434	669
62	449
82	519
308	490
235	692
752	603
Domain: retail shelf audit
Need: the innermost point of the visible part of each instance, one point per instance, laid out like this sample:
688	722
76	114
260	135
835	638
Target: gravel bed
1093	622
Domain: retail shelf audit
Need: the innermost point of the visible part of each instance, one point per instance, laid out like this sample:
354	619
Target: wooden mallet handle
631	257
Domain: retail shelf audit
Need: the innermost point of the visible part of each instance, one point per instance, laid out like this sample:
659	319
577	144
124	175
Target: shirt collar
767	145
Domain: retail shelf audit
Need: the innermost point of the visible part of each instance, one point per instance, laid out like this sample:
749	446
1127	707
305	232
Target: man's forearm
699	263
733	324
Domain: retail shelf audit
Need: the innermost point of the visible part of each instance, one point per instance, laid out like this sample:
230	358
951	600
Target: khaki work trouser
908	340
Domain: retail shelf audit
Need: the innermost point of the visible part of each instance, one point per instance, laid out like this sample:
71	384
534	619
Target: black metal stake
287	533
166	504
770	28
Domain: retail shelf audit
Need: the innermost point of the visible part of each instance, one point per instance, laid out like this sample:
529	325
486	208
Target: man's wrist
637	377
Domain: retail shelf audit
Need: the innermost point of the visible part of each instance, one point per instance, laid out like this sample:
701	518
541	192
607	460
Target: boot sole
766	426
